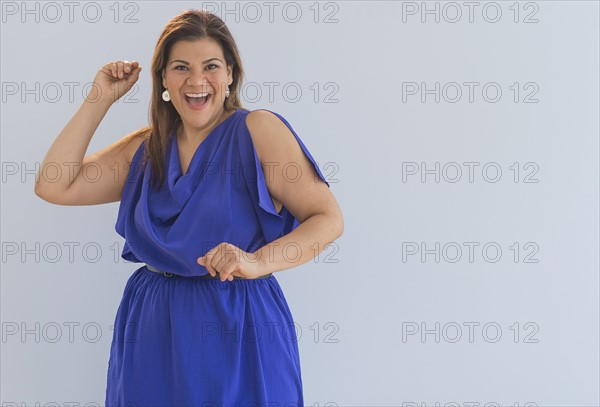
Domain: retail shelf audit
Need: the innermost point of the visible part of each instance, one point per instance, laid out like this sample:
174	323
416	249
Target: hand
113	80
229	261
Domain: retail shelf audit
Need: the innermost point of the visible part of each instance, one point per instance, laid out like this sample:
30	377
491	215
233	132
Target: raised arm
66	176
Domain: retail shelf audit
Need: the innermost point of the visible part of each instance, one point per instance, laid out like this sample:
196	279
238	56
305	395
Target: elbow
38	187
339	225
336	222
44	196
37	190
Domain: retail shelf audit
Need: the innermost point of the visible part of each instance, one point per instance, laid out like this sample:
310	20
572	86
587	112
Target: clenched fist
113	80
229	261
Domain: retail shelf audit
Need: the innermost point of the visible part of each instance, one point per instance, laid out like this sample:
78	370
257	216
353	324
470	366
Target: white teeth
197	95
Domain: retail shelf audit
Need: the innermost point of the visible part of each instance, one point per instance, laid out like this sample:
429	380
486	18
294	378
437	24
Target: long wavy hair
190	25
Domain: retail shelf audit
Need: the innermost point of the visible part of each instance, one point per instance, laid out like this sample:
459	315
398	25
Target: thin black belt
166	274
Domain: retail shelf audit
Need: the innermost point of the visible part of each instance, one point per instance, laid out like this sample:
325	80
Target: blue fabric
202	342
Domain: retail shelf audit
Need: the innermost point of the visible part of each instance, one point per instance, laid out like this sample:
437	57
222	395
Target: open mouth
197	100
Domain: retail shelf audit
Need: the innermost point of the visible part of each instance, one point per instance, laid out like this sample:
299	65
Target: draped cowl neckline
175	174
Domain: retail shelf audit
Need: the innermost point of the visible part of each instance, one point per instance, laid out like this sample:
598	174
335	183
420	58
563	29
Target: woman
204	322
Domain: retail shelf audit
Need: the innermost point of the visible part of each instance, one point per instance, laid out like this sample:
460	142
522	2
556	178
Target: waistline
166	274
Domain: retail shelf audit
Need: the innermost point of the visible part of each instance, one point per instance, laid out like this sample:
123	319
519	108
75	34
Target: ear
229	75
164	81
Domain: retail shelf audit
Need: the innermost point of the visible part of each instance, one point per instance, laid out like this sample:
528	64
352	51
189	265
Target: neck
192	136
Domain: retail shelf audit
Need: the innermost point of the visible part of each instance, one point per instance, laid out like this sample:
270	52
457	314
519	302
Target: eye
179	66
215	66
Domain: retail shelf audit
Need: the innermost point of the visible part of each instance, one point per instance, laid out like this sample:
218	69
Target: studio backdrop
460	139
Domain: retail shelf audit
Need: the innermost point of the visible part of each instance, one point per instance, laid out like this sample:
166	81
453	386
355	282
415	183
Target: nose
196	78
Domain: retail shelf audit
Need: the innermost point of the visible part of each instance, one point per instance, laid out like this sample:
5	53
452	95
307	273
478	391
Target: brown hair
189	25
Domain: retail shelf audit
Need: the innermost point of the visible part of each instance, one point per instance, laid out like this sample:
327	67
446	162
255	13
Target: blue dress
181	341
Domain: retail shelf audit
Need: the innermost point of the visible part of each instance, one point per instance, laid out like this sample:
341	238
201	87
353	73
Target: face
193	69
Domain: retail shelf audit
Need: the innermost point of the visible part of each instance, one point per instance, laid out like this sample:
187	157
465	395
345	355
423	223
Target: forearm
63	160
304	243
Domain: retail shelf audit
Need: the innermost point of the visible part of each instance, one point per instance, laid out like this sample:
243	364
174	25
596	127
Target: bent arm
64	159
309	239
307	197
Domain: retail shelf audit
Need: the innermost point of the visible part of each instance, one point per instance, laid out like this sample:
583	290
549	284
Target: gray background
358	299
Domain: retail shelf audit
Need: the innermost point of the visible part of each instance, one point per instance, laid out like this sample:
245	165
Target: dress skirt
184	341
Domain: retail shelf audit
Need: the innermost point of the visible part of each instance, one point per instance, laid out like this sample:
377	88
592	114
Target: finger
135	75
223	267
211	260
235	273
206	263
220	263
113	69
120	68
225	275
209	266
126	67
231	270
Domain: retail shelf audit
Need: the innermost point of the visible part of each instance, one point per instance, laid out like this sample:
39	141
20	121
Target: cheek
218	78
174	79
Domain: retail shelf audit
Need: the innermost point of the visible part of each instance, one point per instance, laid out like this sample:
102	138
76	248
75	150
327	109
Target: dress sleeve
272	223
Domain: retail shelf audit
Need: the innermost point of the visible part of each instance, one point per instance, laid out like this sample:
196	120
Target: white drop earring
165	96
227	92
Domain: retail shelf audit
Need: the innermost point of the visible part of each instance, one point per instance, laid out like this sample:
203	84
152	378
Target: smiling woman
194	80
204	321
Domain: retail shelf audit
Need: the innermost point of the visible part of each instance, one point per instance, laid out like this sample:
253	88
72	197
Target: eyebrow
187	63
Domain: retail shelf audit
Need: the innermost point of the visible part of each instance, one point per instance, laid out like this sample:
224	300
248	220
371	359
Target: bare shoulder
303	195
263	118
269	134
